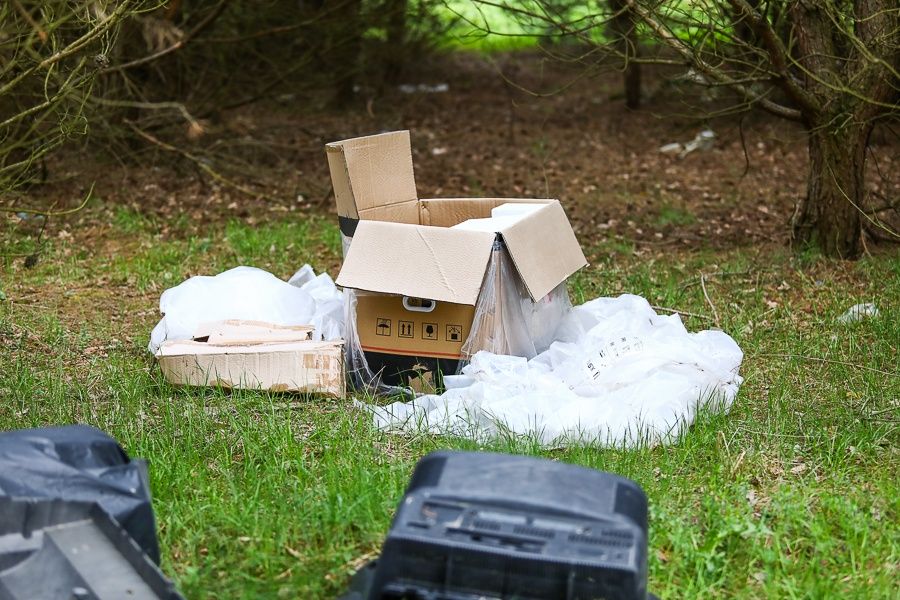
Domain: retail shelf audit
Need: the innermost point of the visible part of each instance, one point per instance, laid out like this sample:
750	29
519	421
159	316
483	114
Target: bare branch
868	217
276	30
102	27
692	58
777	55
195	159
41	33
206	22
51	213
708	301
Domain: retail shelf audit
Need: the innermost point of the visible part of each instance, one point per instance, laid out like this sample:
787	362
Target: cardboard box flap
418	261
544	249
372	171
240	332
447	212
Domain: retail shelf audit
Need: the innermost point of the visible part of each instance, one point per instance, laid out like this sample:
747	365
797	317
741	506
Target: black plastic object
78	462
52	549
485	526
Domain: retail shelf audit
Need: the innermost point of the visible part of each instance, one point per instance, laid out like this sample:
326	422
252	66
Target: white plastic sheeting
617	374
251	294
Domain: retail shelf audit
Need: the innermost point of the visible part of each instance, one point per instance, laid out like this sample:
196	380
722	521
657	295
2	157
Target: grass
487	29
490	28
672	215
792	495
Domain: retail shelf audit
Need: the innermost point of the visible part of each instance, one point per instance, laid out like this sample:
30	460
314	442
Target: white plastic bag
328	318
617	374
250	294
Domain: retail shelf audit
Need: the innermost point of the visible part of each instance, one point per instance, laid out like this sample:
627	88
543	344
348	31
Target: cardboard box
254	355
421	277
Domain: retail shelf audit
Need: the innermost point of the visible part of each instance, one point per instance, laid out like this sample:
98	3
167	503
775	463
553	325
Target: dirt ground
539	130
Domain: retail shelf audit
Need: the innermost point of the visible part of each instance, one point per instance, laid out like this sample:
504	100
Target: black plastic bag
71	550
78	462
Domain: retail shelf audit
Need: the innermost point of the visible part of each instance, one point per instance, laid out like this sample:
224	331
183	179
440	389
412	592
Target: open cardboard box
255	355
419	279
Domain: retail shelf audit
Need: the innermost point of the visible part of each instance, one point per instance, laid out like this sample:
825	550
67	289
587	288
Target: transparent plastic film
507	321
359	375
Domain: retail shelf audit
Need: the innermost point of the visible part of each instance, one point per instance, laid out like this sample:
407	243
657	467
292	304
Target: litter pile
461	295
429	282
617	374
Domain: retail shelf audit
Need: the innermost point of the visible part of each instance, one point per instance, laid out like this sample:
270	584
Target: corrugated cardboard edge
307	366
340	180
239	332
544	249
415	260
372	171
446	212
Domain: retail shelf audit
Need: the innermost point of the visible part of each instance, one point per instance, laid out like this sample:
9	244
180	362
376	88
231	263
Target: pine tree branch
98	30
778	56
202	25
707	69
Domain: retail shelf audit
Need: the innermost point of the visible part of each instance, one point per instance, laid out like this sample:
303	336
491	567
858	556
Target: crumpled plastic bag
328	318
617	374
858	312
80	463
252	294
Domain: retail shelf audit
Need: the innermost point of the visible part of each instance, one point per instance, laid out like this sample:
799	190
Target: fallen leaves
799	469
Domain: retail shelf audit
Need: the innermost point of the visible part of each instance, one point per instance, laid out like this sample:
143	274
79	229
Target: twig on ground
710	276
24	331
681	312
865	247
824	360
744	148
889	409
737	464
51	212
708	301
196	160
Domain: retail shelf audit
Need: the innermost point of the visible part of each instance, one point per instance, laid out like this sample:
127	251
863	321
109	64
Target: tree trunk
344	47
830	215
396	41
632	82
626	41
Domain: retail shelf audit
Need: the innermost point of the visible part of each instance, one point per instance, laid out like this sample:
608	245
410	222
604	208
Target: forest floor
792	494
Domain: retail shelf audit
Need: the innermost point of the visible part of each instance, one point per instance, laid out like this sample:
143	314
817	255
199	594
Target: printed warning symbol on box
383	327
405	328
454	333
429	331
